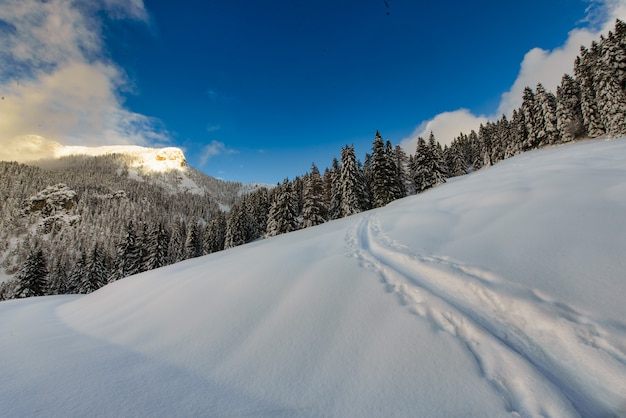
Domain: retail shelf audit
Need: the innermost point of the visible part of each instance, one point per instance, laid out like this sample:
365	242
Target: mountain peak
148	159
30	148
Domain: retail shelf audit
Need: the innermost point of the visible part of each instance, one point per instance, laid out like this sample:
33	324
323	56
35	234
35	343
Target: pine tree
216	236
528	110
568	110
545	112
334	209
314	210
610	99
78	273
282	216
421	164
177	242
475	147
32	277
193	242
235	227
158	244
384	183
128	256
437	167
401	162
517	129
58	279
583	69
351	183
614	54
96	274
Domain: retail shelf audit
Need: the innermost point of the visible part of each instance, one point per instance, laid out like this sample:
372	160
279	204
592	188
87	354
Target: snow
496	294
148	159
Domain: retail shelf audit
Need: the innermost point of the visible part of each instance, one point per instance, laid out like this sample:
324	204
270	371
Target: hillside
499	293
86	200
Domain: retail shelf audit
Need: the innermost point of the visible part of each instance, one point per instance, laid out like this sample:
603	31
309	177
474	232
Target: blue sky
258	90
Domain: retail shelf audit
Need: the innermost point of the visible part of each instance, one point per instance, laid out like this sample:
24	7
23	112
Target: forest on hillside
76	229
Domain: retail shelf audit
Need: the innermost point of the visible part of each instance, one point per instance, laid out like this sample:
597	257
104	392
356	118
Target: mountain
497	294
69	201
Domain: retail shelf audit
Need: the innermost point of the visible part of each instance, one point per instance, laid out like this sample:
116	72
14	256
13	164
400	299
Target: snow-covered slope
497	294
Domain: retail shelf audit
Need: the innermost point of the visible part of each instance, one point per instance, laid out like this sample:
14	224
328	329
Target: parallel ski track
543	357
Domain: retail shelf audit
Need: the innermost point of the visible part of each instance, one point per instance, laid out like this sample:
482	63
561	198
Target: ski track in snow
544	358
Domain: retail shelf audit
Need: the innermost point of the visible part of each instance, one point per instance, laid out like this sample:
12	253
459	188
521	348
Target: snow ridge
543	357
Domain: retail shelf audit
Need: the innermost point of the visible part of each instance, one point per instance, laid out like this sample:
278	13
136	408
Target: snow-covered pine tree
79	270
384	183
314	211
32	277
529	109
177	241
517	132
610	99
282	216
334	209
351	183
215	237
583	69
58	278
456	162
193	242
614	54
401	162
569	115
128	255
158	244
437	170
421	165
394	172
96	273
545	113
235	227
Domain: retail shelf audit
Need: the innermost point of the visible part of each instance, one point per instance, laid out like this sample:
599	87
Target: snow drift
497	294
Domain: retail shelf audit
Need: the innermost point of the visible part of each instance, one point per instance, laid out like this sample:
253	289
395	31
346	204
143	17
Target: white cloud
214	149
548	67
537	66
55	79
446	126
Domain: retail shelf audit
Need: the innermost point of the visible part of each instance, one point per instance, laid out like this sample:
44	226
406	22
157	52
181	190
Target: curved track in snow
543	357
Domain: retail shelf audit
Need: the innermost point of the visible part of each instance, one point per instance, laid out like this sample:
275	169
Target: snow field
498	294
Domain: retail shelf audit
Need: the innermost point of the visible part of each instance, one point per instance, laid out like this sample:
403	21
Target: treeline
120	227
589	104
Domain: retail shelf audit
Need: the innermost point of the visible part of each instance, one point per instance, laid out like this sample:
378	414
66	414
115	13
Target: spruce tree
32	277
128	255
437	167
314	210
529	113
96	274
583	69
158	245
384	183
235	227
401	162
545	112
216	236
421	164
568	111
610	99
282	216
334	209
351	183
